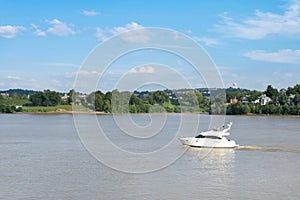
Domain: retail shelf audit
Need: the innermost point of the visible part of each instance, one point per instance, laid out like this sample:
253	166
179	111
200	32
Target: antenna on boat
228	128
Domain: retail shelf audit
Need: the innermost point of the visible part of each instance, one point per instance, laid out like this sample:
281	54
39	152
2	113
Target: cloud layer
10	31
282	56
142	70
140	36
263	24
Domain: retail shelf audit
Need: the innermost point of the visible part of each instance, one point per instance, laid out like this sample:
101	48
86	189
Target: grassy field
32	109
13	102
59	108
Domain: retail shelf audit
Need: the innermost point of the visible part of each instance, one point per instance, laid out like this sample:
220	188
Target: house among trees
235	100
245	100
263	100
65	97
5	95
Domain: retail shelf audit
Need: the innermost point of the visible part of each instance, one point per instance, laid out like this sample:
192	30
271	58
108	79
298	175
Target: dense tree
284	102
9	109
254	95
99	101
16	96
46	98
106	106
107	102
293	90
36	99
272	93
283	99
120	101
158	97
95	100
189	98
199	97
51	98
218	105
134	100
238	109
138	105
71	97
189	101
296	99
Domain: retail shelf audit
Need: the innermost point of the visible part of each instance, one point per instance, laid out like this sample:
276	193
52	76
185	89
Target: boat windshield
200	136
208	136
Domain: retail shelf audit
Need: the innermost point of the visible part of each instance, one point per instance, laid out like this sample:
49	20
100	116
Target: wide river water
42	157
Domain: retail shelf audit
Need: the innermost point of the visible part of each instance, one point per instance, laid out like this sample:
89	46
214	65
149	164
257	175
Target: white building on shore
263	100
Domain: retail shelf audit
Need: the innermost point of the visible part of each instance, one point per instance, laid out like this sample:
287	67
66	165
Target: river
43	157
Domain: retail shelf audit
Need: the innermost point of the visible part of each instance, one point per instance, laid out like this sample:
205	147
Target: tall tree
272	93
36	98
71	97
158	97
99	96
46	98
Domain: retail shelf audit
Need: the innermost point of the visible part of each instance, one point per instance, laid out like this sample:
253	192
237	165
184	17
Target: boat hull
208	143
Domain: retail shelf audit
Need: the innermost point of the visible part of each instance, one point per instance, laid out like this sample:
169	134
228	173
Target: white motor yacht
213	138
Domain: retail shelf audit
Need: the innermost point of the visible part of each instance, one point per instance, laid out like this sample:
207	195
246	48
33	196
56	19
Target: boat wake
14	143
267	149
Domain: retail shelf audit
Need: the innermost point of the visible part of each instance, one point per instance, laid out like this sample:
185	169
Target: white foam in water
267	148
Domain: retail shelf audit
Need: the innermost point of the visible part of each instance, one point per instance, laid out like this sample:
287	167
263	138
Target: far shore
104	113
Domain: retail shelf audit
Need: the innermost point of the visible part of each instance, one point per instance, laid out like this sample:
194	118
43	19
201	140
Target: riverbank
79	109
63	112
89	112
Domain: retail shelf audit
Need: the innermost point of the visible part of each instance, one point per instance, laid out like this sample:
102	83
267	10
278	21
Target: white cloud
101	35
90	13
284	78
10	31
126	28
139	36
38	32
88	73
34	26
282	56
142	70
59	28
14	78
263	24
82	74
208	41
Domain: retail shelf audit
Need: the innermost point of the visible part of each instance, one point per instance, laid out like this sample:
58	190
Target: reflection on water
220	159
212	170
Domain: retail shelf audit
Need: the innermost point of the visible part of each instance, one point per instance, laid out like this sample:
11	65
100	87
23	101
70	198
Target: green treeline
271	101
144	102
46	98
232	101
10	109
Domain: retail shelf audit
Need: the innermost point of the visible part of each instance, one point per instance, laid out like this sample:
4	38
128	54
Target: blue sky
253	43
